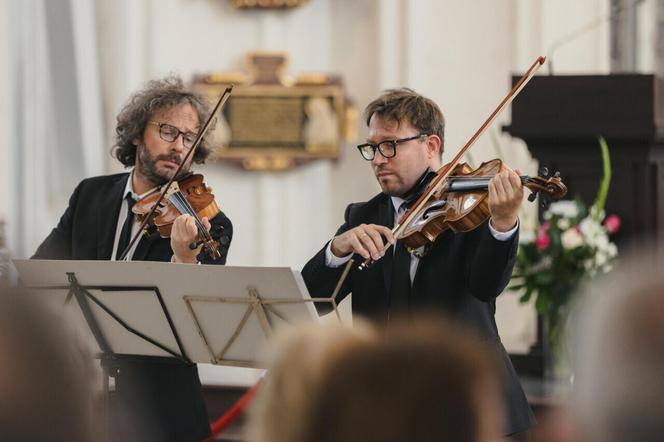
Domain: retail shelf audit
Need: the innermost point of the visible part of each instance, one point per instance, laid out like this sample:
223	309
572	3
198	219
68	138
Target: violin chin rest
151	233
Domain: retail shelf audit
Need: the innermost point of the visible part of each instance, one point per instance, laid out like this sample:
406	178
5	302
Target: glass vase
557	364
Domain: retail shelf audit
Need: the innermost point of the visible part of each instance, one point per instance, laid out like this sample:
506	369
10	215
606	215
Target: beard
147	165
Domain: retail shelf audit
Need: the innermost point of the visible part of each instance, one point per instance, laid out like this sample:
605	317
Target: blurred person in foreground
427	381
619	368
155	398
46	376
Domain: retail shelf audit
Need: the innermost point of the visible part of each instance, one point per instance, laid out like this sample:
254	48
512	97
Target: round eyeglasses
170	133
387	148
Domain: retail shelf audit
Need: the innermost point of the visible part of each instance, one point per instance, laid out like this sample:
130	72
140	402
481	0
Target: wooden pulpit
561	117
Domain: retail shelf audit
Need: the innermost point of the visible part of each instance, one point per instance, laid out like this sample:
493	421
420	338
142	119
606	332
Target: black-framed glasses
170	133
387	148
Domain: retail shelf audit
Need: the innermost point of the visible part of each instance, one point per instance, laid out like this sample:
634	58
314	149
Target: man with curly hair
156	398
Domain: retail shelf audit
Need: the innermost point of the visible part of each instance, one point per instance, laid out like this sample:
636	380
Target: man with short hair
460	274
157	398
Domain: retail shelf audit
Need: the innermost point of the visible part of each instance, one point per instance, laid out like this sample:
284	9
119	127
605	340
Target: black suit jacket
461	275
155	398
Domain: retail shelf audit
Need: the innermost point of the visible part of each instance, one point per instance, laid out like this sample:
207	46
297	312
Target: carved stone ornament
267	4
275	122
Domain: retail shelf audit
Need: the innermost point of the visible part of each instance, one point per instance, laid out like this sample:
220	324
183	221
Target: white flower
526	237
601	240
571	239
600	259
591	231
565	209
563	223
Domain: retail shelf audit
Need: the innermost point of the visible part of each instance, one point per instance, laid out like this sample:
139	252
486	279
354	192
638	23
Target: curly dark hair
157	95
421	112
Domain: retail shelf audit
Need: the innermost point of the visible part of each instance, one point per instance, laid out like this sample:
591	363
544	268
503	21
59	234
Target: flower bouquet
571	245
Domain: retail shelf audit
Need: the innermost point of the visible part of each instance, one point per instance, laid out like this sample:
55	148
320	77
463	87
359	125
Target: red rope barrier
233	413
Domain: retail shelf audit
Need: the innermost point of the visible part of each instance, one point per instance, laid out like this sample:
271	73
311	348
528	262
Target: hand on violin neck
183	233
366	240
505	198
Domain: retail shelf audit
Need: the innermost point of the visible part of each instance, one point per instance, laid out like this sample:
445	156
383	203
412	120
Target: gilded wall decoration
274	122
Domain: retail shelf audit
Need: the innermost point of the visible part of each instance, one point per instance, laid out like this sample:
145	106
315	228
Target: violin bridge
173	188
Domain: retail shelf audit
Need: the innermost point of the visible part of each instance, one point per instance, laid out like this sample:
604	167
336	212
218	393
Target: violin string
183	206
190	210
473	178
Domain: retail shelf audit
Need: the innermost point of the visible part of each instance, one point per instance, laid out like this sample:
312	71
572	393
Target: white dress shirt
122	216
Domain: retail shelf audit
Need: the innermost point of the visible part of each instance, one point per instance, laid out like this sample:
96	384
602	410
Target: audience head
425	380
619	379
45	377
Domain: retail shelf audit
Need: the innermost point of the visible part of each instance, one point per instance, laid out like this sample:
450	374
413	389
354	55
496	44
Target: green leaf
542	303
600	200
526	296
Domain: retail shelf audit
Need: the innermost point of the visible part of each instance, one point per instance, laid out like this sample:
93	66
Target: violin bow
225	95
445	171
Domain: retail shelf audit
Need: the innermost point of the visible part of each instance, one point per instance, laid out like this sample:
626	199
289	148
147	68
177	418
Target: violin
189	195
461	202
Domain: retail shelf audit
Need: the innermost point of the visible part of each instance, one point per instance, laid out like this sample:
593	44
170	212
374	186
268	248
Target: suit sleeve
322	280
489	263
58	244
221	229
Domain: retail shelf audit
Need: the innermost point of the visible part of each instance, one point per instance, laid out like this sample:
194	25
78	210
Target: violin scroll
550	186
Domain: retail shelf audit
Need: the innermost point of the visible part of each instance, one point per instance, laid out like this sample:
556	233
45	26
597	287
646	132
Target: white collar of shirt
129	188
397	202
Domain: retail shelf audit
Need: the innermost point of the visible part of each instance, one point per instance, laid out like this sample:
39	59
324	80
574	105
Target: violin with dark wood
461	203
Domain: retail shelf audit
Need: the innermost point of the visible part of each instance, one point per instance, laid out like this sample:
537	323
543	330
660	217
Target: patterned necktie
125	233
400	286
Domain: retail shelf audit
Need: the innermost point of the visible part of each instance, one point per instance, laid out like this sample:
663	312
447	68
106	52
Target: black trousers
156	399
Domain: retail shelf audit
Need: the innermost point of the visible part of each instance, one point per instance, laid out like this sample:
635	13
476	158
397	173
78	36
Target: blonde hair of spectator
329	383
619	353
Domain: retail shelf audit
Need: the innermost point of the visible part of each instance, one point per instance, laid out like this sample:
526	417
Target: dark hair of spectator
46	390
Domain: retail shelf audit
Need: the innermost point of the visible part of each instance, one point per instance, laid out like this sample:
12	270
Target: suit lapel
108	208
143	248
386	218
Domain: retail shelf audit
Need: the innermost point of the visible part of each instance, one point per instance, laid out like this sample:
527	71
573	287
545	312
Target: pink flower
542	241
612	223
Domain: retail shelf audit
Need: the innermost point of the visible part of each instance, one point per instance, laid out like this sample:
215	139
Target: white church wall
461	54
4	106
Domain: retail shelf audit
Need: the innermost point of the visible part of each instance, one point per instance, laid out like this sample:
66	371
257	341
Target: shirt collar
129	188
396	203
